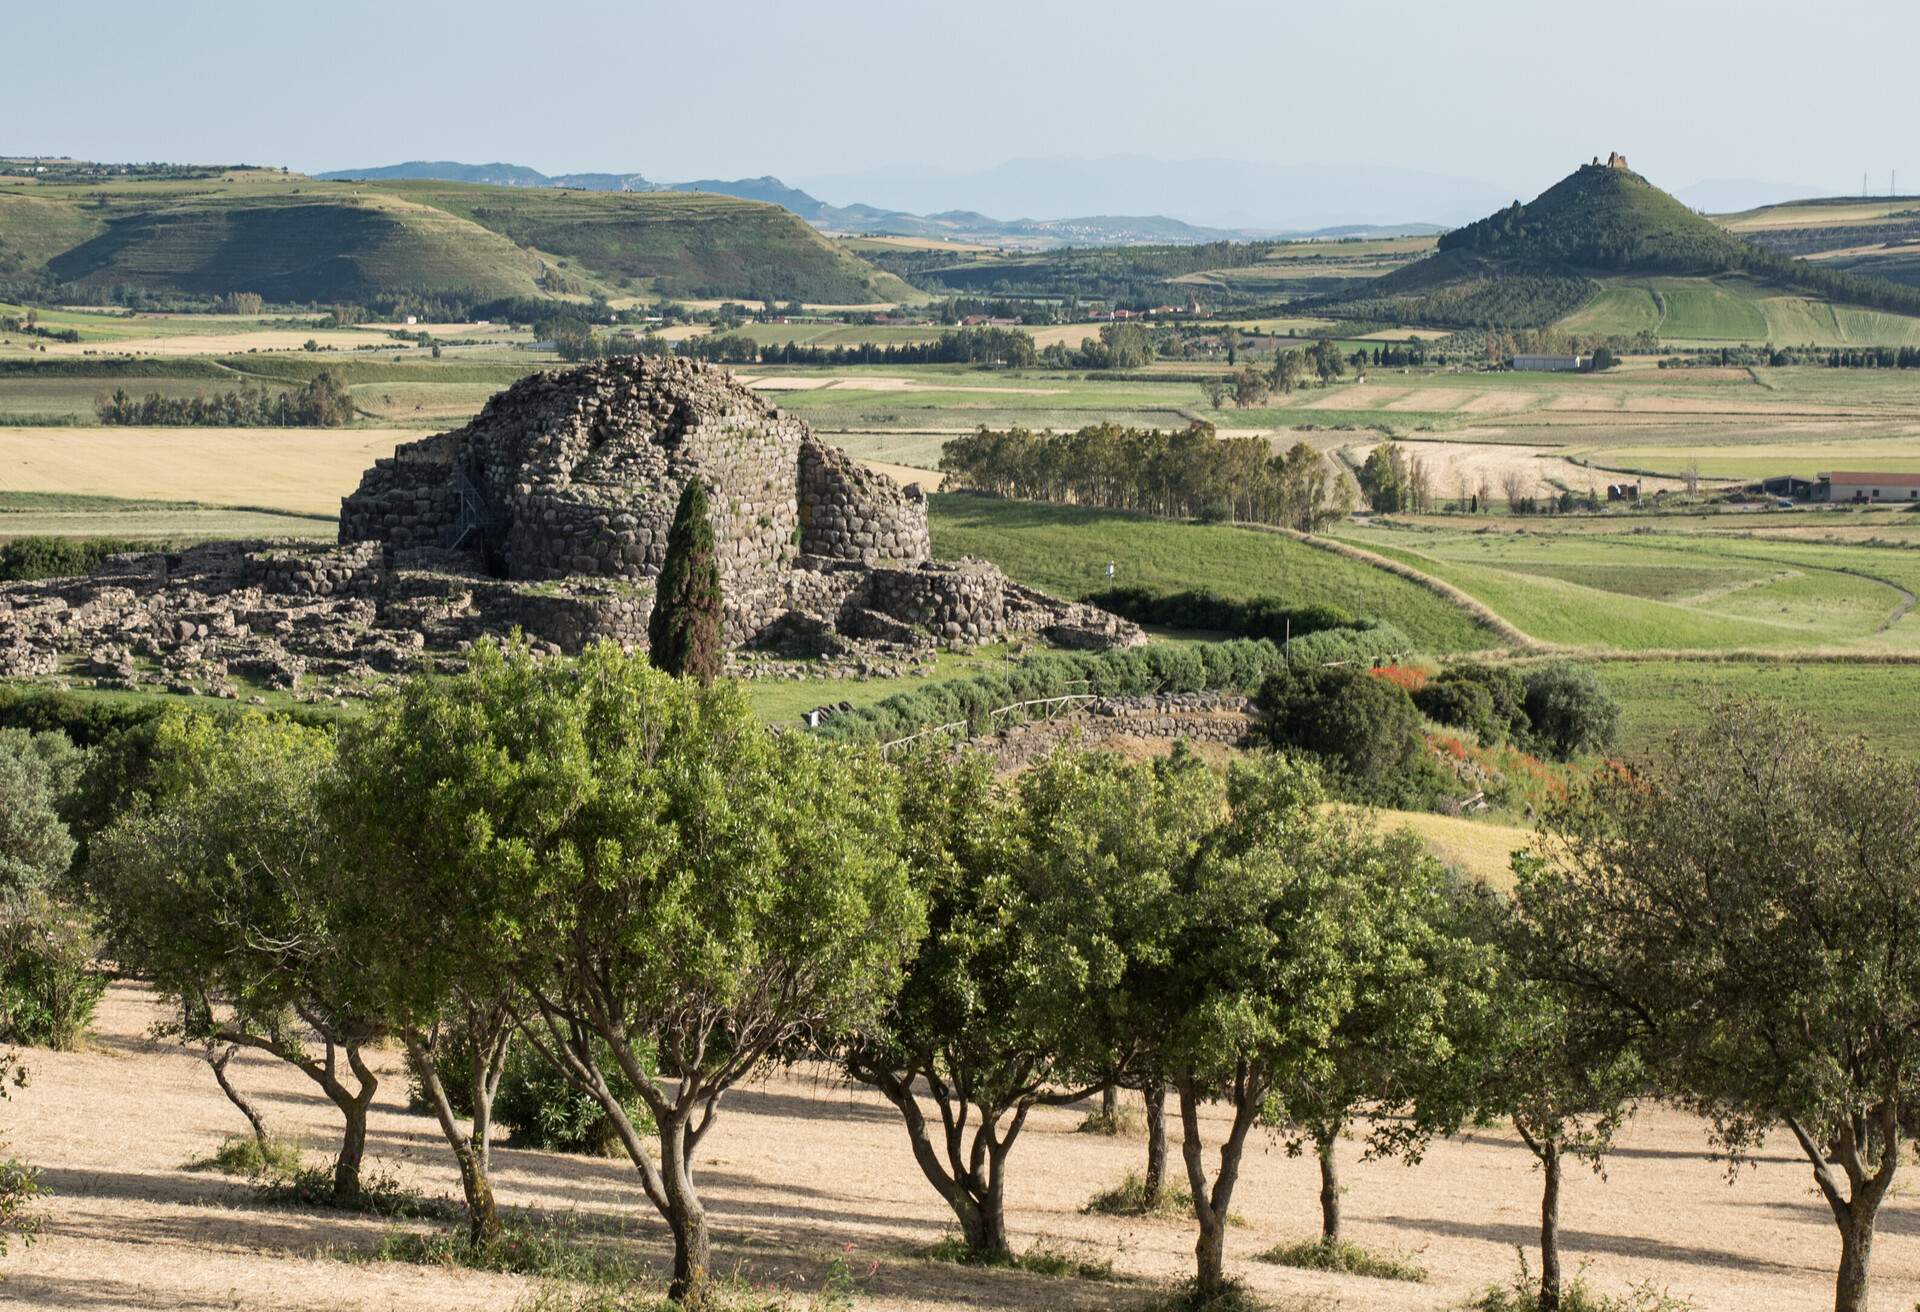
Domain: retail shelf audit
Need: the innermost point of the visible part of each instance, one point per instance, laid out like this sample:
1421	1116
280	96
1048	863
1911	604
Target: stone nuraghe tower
575	475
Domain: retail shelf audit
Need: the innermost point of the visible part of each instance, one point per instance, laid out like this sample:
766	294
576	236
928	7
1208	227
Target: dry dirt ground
800	1168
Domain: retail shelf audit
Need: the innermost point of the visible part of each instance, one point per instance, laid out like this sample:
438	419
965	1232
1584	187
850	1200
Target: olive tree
1745	898
1044	895
412	777
680	894
1538	1053
1414	975
1258	975
216	886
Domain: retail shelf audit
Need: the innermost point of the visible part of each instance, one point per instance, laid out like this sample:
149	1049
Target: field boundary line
1472	605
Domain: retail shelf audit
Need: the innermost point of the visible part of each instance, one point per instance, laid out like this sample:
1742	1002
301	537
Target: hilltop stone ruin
549	513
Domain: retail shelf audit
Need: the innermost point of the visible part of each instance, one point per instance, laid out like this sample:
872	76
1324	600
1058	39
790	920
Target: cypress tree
683	633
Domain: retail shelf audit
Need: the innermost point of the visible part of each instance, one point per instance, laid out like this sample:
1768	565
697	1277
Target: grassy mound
1344	1257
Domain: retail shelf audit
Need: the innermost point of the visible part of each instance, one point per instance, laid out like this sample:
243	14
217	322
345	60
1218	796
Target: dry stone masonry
548	513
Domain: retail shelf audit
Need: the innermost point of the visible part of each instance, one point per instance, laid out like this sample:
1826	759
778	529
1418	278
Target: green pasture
1881	702
56	514
1065	550
1730	308
1657	592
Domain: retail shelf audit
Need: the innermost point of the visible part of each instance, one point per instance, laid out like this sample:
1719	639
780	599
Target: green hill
291	238
1604	249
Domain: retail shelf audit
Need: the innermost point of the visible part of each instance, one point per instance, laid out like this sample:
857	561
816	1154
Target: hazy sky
1810	92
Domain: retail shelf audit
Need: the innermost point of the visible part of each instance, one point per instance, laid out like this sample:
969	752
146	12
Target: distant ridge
959	225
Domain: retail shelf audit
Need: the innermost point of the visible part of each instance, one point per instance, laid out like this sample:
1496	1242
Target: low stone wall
1225	718
353	570
958	601
848	512
573	618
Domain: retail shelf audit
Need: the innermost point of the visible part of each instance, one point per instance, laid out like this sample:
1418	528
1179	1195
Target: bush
1569	711
524	1247
19	1187
1363	729
534	1100
51	558
48	987
1522	1294
1129	1198
241	1154
1201	608
1367	642
1462	704
1131	672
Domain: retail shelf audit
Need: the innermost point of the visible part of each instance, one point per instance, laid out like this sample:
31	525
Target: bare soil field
801	1168
1468	464
305	469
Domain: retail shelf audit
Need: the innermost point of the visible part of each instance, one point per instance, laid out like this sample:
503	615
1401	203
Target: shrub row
1202	608
1131	672
25	559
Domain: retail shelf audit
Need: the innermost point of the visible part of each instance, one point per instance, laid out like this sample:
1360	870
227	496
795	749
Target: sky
1512	94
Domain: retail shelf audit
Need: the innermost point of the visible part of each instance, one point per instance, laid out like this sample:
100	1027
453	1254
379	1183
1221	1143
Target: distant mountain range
949	223
1212	193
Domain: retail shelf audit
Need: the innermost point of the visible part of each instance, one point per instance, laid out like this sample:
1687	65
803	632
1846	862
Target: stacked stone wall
354	569
576	617
959	601
405	500
848	512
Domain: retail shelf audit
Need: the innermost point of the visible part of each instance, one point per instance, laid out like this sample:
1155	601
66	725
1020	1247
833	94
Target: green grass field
1879	702
1065	550
1673	592
53	514
1734	309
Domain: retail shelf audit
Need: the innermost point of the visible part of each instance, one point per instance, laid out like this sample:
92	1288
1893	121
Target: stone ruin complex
549	513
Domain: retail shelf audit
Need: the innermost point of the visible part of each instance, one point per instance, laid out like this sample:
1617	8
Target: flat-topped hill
294	238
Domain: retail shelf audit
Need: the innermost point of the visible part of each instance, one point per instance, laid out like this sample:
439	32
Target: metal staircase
475	521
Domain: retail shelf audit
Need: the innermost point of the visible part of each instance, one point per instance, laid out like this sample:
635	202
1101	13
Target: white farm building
1862	487
1552	364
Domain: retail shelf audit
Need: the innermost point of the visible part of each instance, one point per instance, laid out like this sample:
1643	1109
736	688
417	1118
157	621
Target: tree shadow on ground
1516	1235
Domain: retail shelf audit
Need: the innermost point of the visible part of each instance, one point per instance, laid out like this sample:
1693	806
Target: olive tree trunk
218	1060
1156	1180
471	1147
1210	1205
1551	1164
1329	1187
970	1176
1875	1136
352	1102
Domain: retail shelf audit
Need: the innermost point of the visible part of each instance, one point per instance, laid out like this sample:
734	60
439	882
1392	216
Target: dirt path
801	1168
